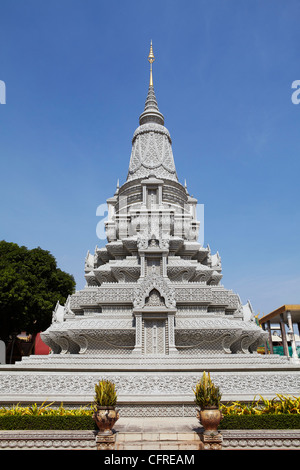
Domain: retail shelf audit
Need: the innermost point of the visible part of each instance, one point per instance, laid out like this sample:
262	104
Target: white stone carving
154	281
153	315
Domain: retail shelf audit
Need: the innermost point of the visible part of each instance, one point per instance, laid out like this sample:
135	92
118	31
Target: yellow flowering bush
280	404
45	410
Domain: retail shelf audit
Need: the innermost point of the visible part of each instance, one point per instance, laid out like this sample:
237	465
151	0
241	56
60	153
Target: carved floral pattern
82	384
151	282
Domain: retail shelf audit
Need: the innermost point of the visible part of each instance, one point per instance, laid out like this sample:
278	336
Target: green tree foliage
30	286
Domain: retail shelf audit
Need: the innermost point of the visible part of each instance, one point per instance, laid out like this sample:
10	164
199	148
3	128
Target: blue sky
76	76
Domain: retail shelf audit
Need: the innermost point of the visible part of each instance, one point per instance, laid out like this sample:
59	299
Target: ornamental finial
151	59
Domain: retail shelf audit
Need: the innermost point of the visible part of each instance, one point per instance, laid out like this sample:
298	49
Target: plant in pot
208	397
105	414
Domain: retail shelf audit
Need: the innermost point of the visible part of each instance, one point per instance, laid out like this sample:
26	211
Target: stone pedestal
105	441
213	442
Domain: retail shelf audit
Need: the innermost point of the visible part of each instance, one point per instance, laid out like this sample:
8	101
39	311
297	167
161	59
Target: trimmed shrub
263	421
80	423
282	412
47	422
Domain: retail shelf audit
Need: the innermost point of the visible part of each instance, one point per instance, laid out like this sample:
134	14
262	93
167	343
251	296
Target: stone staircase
158	441
158	434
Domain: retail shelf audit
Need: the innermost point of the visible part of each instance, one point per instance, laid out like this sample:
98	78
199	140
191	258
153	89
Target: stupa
153	314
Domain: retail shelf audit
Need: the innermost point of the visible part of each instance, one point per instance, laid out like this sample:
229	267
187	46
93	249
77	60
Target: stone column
144	196
283	334
160	195
171	331
178	225
164	264
2	352
142	265
138	333
270	337
292	336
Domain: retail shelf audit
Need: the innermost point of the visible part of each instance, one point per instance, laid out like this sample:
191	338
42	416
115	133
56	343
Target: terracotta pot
210	419
105	418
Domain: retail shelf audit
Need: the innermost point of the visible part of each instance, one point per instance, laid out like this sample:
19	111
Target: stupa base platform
133	362
157	386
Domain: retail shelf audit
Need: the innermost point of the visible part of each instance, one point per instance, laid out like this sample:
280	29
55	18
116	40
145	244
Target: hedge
40	422
262	421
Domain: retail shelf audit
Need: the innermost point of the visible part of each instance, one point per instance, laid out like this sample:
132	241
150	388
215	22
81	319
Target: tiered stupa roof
151	144
153	314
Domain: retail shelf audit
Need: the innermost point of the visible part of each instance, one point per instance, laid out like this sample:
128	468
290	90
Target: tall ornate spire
151	59
151	112
151	152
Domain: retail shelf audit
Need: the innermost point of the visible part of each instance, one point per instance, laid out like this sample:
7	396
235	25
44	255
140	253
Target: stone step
166	445
157	436
158	440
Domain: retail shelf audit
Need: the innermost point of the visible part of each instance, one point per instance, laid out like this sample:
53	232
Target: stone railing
89	440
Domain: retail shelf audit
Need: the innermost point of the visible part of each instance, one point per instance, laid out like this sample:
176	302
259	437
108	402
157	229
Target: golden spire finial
151	59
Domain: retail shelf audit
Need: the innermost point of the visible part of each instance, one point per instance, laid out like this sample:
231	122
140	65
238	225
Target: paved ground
157	425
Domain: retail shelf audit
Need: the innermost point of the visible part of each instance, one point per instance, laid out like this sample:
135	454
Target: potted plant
208	397
105	414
